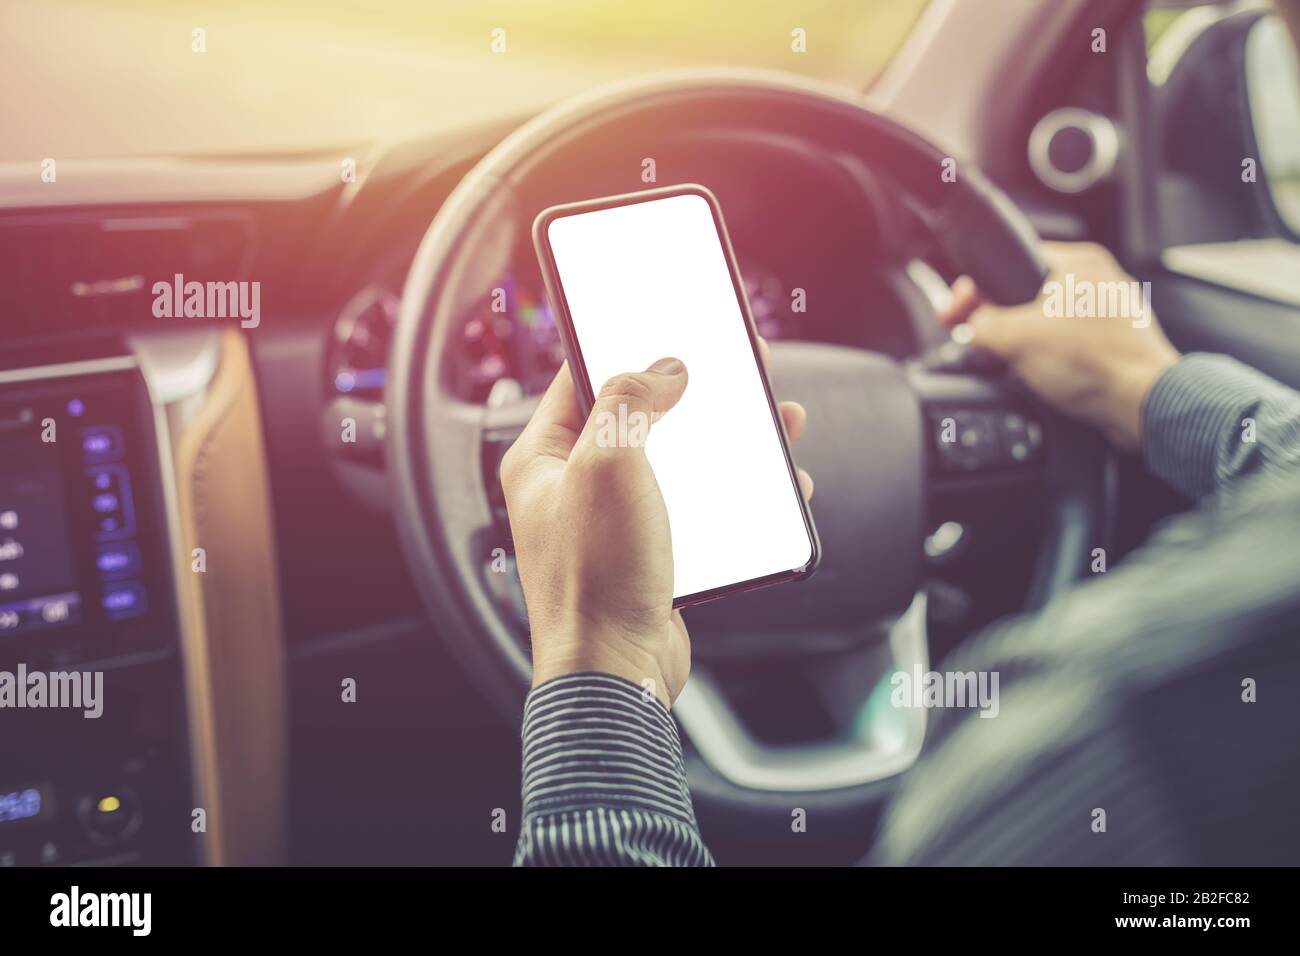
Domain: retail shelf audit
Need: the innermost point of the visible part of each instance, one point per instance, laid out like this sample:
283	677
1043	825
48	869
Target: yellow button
108	805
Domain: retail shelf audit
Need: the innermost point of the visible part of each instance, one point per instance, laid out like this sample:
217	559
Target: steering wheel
883	435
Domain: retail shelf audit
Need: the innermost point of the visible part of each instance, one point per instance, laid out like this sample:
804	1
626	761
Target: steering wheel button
944	540
1020	437
970	440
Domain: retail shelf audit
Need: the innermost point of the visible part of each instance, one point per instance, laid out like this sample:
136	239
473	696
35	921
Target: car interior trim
210	446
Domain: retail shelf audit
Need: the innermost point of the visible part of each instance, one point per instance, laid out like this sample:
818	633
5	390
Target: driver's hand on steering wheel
1095	367
591	533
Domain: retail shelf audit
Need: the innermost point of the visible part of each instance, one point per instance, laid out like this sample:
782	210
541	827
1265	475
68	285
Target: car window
173	77
1225	97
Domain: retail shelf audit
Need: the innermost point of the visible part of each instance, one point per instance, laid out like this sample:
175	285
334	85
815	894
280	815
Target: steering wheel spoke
980	430
991	445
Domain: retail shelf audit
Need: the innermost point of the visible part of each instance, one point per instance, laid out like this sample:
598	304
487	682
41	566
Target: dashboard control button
112	502
101	443
124	600
121	560
110	817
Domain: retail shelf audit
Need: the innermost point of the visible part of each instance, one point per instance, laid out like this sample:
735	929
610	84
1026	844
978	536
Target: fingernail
667	366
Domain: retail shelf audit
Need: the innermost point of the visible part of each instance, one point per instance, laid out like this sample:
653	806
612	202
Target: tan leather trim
235	671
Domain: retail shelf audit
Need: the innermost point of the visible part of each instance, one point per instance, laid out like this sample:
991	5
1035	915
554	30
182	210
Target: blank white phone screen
650	280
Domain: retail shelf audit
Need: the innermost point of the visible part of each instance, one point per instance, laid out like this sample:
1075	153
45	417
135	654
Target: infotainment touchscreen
79	526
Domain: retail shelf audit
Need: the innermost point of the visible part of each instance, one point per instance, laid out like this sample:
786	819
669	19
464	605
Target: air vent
1071	150
62	274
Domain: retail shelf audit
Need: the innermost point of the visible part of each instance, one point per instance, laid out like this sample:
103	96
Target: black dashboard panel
88	628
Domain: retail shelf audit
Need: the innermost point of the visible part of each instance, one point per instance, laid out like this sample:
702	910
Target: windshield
168	77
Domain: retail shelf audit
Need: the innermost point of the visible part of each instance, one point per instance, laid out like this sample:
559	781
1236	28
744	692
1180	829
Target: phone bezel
587	395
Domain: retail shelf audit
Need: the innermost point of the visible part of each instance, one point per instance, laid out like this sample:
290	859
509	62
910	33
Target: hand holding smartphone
638	277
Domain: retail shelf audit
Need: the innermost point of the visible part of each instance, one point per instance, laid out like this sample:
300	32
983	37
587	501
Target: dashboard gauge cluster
357	360
511	333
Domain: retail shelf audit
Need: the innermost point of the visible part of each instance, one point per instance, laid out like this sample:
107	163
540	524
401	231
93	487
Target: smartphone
648	275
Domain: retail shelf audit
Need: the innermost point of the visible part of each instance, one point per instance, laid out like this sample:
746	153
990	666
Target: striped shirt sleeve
604	783
1210	421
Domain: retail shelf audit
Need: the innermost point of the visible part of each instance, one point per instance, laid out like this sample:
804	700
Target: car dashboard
239	415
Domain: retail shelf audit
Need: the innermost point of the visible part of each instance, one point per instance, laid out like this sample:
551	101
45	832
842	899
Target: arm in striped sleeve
603	779
1209	421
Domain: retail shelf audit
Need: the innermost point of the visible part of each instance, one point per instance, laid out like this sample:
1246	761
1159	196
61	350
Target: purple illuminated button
111	500
124	600
118	560
101	443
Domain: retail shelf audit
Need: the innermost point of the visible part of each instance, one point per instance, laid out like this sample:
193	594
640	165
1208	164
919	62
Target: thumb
630	403
966	298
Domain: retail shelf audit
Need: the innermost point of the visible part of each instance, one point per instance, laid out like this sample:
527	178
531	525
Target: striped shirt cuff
597	740
604	781
1193	421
